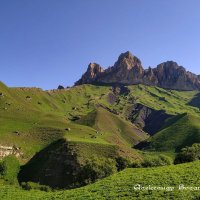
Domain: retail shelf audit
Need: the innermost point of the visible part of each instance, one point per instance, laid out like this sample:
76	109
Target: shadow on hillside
147	145
54	166
195	102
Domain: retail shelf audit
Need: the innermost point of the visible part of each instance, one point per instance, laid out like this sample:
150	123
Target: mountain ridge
128	70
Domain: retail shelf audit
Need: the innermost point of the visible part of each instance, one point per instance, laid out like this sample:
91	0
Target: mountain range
128	70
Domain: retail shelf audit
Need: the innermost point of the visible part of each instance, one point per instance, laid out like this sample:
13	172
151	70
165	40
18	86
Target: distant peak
127	54
171	65
128	70
127	60
94	67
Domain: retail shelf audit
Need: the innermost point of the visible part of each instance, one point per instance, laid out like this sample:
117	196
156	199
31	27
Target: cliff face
170	75
128	70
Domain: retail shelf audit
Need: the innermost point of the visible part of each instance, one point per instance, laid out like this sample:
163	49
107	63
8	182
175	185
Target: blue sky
44	43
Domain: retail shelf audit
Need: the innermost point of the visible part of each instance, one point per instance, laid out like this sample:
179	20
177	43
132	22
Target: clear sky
45	43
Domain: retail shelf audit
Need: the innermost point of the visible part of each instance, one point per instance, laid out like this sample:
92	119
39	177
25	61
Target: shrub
122	163
35	186
155	161
9	169
96	169
188	154
136	164
60	87
1	168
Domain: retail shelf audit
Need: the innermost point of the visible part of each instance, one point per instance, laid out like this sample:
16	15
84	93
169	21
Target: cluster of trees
188	154
153	161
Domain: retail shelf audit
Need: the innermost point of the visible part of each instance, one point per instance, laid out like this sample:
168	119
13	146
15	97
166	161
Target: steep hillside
113	127
195	102
179	133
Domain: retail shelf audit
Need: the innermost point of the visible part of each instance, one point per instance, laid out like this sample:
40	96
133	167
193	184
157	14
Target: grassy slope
121	186
183	132
173	102
178	131
42	118
114	130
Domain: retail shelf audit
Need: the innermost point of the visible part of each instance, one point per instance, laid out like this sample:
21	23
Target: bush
122	163
1	168
35	186
96	169
136	164
188	154
155	161
9	169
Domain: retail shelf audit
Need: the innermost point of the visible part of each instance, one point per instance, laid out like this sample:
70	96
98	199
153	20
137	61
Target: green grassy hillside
41	117
184	131
94	121
32	118
113	129
173	102
124	185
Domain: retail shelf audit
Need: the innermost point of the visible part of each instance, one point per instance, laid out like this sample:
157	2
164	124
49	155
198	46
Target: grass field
124	185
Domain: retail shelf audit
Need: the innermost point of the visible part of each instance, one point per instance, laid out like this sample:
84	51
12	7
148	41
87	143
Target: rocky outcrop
172	76
9	150
128	70
93	72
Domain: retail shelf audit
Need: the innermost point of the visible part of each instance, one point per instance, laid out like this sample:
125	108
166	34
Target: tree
60	87
188	154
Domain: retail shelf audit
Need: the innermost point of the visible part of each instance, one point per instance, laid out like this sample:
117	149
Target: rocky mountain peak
170	65
94	68
93	71
126	55
127	60
128	70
